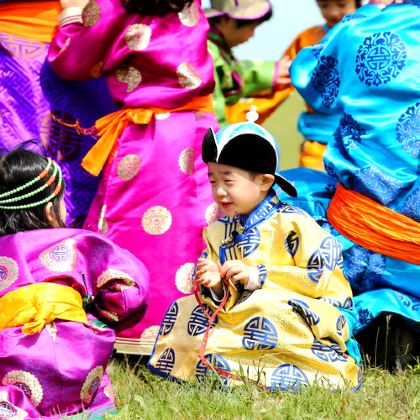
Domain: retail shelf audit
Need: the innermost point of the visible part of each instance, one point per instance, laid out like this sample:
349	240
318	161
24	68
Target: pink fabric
67	358
154	196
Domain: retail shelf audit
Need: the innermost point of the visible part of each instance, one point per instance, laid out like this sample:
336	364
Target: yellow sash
111	126
37	305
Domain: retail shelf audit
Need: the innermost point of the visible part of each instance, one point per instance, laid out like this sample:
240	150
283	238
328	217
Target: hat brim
251	12
286	186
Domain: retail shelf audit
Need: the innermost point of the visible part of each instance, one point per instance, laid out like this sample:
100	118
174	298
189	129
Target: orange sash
112	126
34	20
374	226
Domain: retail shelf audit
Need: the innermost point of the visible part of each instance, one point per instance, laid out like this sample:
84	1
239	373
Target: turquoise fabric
368	70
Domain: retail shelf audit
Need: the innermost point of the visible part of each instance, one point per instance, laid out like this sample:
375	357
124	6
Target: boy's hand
207	273
236	271
283	77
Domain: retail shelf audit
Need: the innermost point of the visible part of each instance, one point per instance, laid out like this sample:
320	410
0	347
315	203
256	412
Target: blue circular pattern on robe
328	255
409	301
331	353
408	130
340	324
373	183
7	410
352	16
347	304
349	132
169	320
215	360
365	318
380	58
292	210
262	273
292	243
249	241
411	205
288	378
60	253
259	334
302	308
166	361
325	79
198	321
359	385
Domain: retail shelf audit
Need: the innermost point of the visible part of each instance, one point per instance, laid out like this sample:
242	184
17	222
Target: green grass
143	395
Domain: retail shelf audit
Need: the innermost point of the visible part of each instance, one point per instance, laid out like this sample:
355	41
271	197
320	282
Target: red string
91	131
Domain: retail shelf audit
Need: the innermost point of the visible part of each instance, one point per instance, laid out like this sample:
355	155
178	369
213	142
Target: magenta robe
154	198
61	370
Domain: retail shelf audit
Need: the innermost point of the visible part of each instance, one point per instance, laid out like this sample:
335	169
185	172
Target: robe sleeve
116	280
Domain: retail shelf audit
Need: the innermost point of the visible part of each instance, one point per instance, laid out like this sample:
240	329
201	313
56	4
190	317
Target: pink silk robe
154	198
61	370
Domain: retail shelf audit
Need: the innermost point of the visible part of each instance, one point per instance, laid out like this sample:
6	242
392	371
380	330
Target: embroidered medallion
137	37
328	353
340	324
408	130
91	13
91	385
259	334
128	167
349	132
156	220
188	76
215	360
7	410
292	243
325	79
169	319
198	321
380	58
411	205
166	361
212	213
150	333
302	308
27	382
60	257
111	275
9	271
130	76
186	161
288	378
184	278
189	16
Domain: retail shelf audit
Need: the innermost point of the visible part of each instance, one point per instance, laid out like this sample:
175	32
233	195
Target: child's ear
49	214
266	181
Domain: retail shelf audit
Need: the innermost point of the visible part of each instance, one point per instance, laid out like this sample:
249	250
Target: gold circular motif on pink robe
129	75
128	167
91	384
156	220
150	333
186	161
189	16
60	257
91	13
188	76
9	271
212	213
184	277
110	274
137	37
27	382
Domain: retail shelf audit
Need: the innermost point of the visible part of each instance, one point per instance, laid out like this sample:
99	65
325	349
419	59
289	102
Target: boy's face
334	10
237	191
235	36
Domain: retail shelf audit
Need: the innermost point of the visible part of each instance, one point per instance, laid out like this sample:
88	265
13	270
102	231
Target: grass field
142	395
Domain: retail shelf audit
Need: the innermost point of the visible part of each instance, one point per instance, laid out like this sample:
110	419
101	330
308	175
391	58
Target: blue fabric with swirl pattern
368	71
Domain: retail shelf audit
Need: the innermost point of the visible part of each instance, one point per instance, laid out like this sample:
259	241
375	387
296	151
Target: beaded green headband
43	174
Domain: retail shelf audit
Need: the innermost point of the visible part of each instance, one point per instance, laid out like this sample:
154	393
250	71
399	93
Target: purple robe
67	357
154	198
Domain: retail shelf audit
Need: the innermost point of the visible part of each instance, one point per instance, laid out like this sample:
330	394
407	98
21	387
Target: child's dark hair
244	22
155	7
17	168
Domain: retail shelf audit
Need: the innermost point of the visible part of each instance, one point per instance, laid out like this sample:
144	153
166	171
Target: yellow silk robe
290	332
